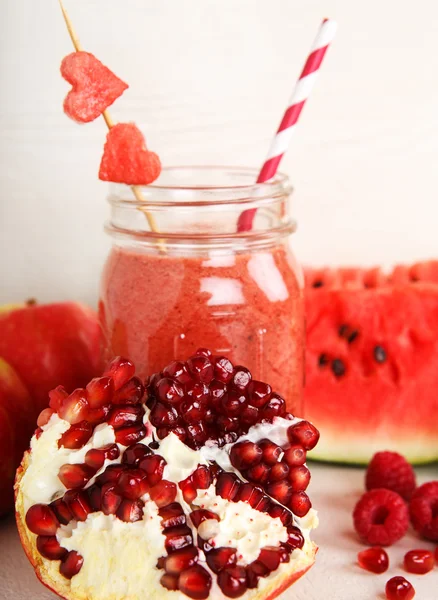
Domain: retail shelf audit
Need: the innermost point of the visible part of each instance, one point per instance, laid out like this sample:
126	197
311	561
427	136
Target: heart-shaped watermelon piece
126	159
94	86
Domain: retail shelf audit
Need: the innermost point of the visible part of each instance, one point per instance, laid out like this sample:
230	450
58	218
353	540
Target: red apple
50	345
16	426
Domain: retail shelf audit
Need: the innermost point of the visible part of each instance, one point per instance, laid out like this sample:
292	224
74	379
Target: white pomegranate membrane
196	487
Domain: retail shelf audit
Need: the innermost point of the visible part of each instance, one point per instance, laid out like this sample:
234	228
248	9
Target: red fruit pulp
373	559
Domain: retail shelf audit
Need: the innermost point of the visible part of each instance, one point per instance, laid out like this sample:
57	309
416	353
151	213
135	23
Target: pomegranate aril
180	560
196	391
197	434
258	474
110	499
170	582
258	393
200	515
303	433
100	391
56	397
263	505
130	511
188	489
201	368
163	493
44	417
75	476
232	581
270	557
95	497
38	433
153	465
172	515
180	432
276	407
228	424
130	435
95	457
250	493
48	547
177	370
110	475
233	403
220	558
373	559
95	416
195	582
130	393
120	370
76	436
169	391
271	452
227	486
71	564
218	390
177	537
282	513
202	477
249	415
284	553
133	483
123	416
300	504
278	472
193	412
135	453
399	588
419	561
61	511
223	369
41	520
74	408
295	538
258	569
280	490
78	503
295	456
163	416
245	454
299	478
241	377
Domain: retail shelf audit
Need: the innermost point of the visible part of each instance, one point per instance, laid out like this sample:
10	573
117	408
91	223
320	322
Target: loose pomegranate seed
77	436
110	499
95	497
135	453
48	547
245	454
95	416
373	559
295	456
249	415
180	432
195	582
419	561
163	416
284	552
41	519
71	564
258	474
264	505
61	511
303	433
74	408
223	369
201	515
278	472
130	511
295	538
197	434
193	412
270	557
123	416
232	581
271	452
300	504
120	370
133	483
259	393
170	582
280	490
282	513
188	489
153	465
130	435
254	571
181	560
250	493
177	370
100	391
201	368
110	475
227	486
299	478
177	538
172	515
75	476
202	477
78	503
163	493
220	558
169	391
276	407
130	393
241	378
56	397
44	417
95	457
399	588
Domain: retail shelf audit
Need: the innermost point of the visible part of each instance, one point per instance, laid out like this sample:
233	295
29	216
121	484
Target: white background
209	81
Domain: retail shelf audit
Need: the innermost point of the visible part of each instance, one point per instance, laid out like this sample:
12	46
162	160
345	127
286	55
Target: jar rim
160	193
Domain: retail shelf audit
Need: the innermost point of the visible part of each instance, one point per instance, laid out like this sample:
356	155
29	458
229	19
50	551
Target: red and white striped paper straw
301	92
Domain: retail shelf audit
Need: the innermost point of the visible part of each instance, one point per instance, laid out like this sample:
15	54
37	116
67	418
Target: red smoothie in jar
242	299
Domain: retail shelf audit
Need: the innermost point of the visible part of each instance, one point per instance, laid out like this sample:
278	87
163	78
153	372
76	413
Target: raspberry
381	517
391	471
423	510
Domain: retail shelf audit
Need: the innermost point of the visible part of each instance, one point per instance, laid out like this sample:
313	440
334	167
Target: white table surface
335	576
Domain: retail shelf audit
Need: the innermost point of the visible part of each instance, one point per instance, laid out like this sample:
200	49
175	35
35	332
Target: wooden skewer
109	122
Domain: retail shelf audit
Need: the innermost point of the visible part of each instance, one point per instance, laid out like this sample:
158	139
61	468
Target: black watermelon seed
338	367
343	330
353	335
318	283
379	354
323	360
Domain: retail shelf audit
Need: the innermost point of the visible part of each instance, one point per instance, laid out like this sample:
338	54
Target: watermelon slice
94	86
126	159
372	362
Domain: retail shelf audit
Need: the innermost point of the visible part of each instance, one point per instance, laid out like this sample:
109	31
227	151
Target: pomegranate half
192	486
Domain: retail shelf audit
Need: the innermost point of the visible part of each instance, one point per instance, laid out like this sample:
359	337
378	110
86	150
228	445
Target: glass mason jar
198	283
